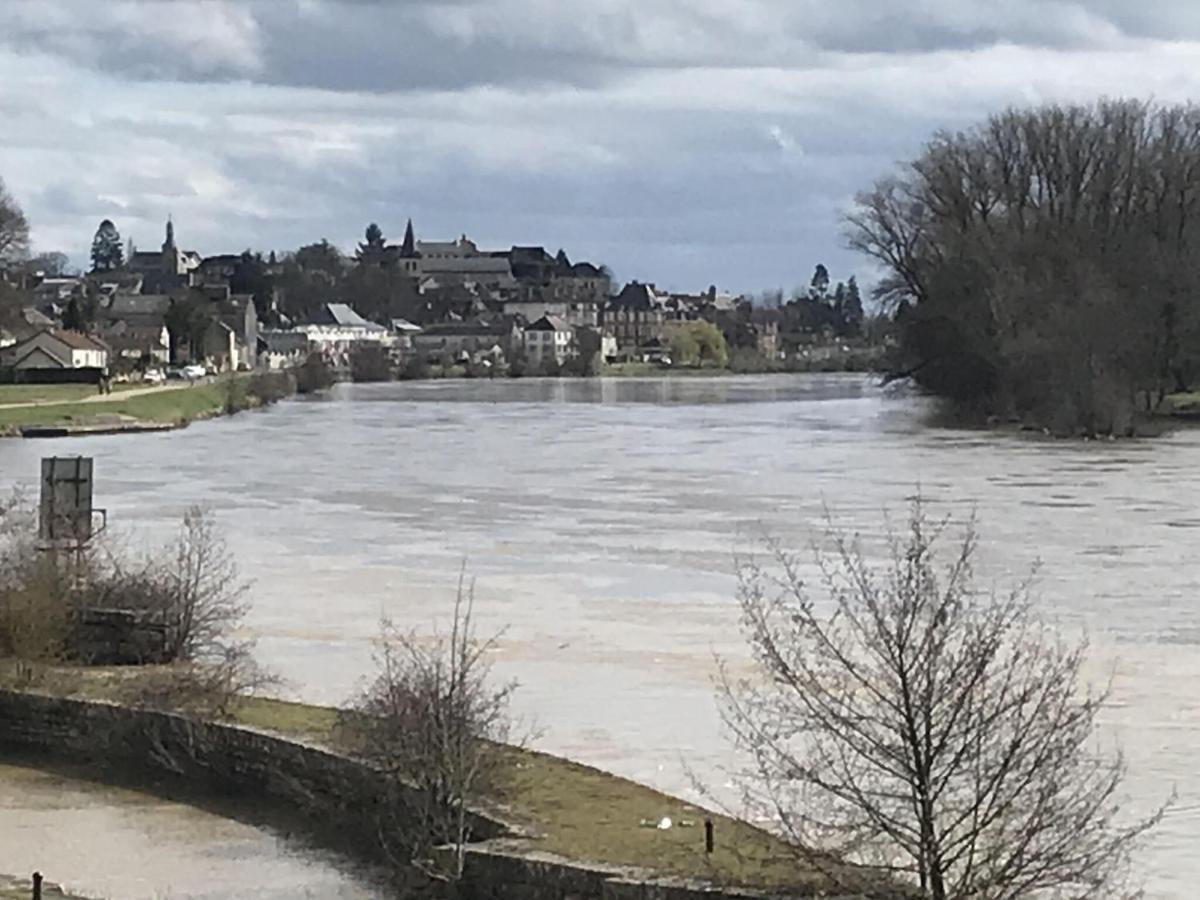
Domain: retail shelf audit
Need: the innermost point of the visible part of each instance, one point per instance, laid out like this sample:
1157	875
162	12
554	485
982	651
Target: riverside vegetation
1042	266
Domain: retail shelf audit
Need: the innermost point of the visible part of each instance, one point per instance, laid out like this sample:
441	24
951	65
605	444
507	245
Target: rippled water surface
601	518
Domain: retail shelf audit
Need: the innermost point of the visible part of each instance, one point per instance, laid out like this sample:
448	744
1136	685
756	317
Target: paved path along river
601	517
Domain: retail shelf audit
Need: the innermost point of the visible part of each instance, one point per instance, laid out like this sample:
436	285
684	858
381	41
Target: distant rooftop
549	323
344	315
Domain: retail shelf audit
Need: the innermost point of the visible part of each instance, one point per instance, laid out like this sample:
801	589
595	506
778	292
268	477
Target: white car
154	376
194	371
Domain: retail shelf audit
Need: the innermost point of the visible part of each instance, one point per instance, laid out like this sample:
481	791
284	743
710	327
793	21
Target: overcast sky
686	142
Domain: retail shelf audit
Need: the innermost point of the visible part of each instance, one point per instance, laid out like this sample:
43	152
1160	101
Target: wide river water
601	519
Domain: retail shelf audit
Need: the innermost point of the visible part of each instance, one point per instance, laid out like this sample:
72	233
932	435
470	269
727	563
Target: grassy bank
166	406
568	809
52	393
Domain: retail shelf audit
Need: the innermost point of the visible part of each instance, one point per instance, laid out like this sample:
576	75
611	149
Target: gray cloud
683	141
361	45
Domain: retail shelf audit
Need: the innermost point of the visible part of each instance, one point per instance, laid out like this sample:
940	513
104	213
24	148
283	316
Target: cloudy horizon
687	142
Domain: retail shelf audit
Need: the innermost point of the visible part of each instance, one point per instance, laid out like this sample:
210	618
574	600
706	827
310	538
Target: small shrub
237	397
35	618
271	387
314	375
747	361
370	362
211	691
414	368
433	719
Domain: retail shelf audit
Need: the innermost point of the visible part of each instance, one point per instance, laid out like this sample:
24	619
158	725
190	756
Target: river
110	842
600	519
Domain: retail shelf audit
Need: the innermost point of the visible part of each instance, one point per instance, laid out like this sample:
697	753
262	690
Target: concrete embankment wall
334	792
311	783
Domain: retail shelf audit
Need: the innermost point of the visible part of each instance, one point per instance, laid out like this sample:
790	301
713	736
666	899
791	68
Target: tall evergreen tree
371	251
73	317
820	283
852	311
251	276
107	251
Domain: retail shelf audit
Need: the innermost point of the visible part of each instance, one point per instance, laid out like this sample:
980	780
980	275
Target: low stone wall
337	793
495	873
322	787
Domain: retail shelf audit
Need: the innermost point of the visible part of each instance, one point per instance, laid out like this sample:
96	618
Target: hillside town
390	308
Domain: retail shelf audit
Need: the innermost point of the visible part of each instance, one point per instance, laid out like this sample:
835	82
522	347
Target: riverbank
12	888
153	410
577	817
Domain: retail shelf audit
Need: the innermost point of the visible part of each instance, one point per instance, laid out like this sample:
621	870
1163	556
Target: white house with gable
549	338
56	349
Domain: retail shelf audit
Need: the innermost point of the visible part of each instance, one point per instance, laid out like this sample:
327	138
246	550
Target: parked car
194	371
153	376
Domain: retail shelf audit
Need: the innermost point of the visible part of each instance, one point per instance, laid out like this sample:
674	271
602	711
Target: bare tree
1053	247
14	228
433	719
205	595
35	623
51	263
931	732
193	589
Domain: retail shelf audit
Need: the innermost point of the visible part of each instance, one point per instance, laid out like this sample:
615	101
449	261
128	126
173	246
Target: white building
333	333
549	338
53	349
282	349
338	326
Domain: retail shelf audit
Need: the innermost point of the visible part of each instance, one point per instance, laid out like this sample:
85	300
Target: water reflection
685	390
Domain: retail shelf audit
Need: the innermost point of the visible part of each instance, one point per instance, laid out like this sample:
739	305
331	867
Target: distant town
408	309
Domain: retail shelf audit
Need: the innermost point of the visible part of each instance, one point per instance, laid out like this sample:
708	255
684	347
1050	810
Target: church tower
408	251
170	253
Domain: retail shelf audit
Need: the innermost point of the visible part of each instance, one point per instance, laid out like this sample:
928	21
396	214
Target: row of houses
174	306
338	331
636	325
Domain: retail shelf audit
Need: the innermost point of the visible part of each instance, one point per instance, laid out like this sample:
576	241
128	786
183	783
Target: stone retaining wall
324	787
337	792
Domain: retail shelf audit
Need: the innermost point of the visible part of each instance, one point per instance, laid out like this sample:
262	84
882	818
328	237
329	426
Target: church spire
409	247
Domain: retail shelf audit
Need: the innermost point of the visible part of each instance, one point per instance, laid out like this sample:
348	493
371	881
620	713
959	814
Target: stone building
636	317
167	269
